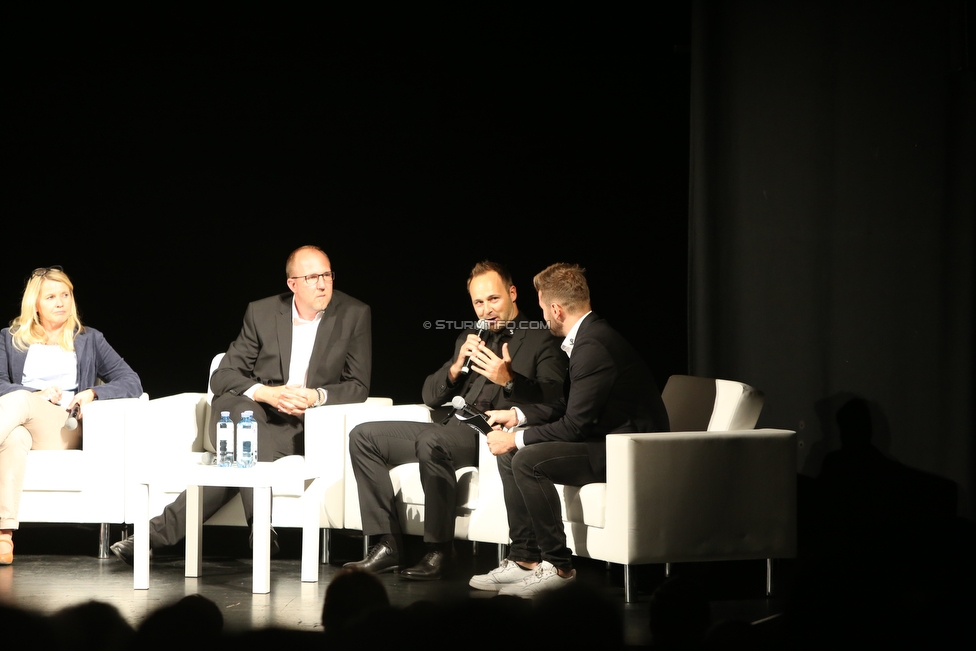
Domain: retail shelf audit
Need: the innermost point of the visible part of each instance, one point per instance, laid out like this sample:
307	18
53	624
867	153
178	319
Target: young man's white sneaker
507	573
544	579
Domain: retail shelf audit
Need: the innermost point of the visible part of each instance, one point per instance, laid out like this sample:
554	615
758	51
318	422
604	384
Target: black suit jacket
341	360
610	390
537	361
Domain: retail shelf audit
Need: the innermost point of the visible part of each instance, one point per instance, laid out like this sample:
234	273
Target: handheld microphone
476	418
482	326
71	422
458	403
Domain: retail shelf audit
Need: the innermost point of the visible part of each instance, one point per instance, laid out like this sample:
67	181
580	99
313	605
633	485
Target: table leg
140	529
261	529
194	531
310	538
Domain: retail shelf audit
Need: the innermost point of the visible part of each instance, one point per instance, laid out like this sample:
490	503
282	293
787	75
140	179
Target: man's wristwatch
509	386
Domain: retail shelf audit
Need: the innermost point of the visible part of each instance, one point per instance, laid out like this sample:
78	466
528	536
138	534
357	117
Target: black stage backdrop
170	162
832	209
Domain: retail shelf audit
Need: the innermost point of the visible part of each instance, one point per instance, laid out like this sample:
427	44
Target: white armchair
475	502
481	515
86	485
343	500
175	432
727	493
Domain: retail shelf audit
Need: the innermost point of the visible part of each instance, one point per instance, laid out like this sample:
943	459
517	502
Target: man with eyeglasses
304	348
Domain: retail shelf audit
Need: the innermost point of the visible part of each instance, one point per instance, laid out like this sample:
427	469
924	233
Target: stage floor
56	566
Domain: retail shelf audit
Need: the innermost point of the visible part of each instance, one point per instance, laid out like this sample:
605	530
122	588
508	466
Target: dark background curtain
170	161
831	220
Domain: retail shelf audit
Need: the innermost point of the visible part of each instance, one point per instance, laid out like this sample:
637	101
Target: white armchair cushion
411	413
288	473
412	491
697	404
737	407
58	470
584	504
84	485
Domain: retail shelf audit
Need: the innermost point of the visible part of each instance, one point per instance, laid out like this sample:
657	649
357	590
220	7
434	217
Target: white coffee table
196	477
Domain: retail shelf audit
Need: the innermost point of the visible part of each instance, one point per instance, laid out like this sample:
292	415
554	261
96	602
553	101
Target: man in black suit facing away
510	363
610	390
307	347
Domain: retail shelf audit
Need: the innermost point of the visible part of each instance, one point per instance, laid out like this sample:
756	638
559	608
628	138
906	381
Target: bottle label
247	443
225	444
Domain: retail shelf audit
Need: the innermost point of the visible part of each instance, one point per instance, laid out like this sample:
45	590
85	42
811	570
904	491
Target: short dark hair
486	266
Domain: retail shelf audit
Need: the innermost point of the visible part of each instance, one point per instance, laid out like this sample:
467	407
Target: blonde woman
49	363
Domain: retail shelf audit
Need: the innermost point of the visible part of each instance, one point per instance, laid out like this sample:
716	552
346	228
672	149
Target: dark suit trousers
279	435
535	518
376	447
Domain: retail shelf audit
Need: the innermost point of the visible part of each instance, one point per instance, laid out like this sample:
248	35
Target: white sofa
86	485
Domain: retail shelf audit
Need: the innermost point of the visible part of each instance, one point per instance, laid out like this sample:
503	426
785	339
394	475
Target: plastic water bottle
225	441
247	440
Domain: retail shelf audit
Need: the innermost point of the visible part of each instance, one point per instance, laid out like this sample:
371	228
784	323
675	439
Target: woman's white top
51	366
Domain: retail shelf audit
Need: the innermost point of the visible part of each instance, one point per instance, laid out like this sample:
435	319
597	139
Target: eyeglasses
43	271
313	279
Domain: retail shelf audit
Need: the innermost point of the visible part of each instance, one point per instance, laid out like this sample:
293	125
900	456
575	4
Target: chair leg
667	570
365	545
326	539
474	547
769	577
502	553
630	591
104	539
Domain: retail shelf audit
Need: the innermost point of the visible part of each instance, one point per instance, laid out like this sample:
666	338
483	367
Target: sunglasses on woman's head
43	271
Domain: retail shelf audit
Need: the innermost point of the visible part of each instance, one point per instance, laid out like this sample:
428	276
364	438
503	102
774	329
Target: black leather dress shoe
380	558
125	550
433	566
